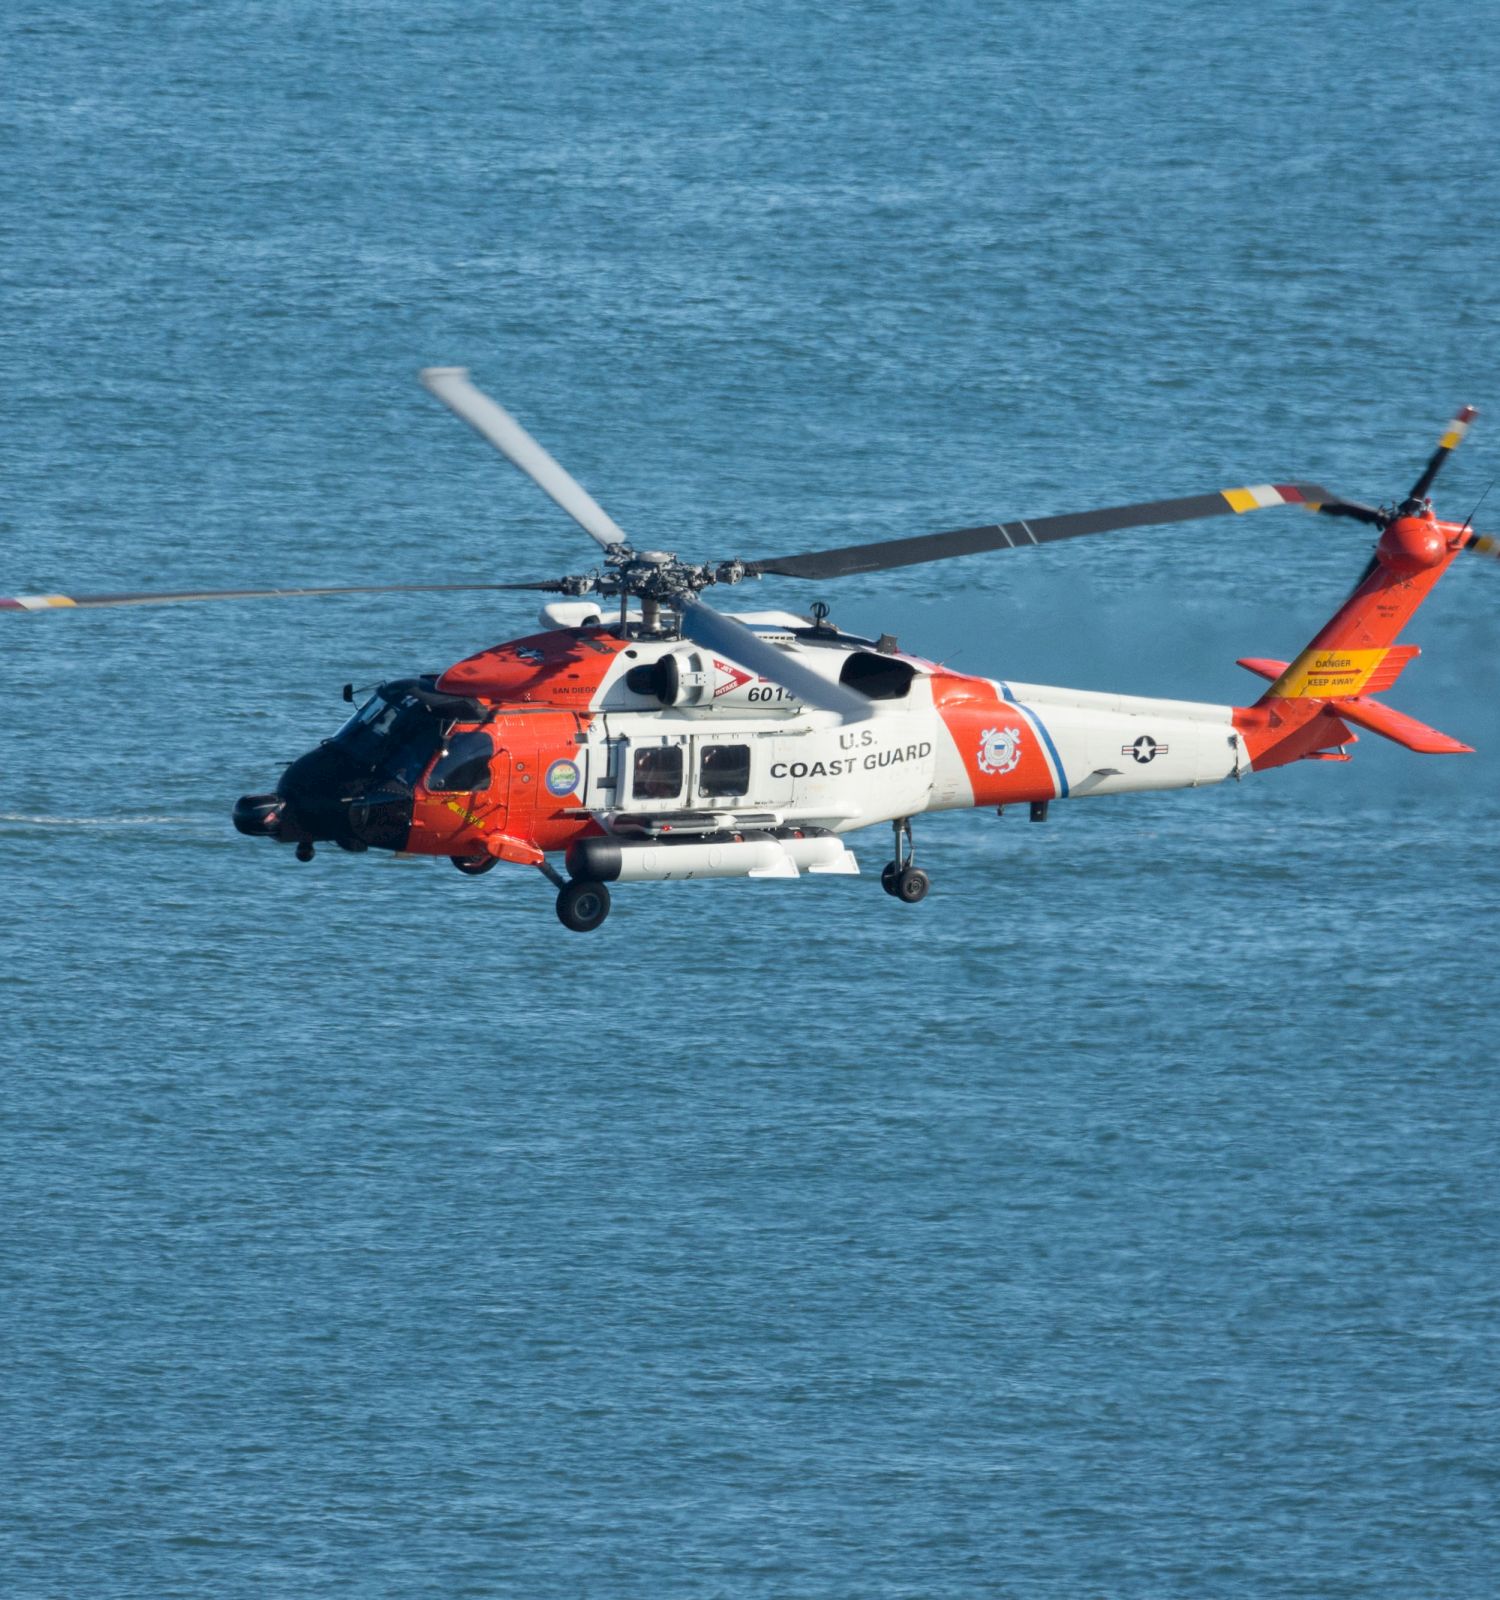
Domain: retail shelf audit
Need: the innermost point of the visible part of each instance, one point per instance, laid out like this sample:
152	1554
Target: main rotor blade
1446	446
64	602
451	385
886	553
714	631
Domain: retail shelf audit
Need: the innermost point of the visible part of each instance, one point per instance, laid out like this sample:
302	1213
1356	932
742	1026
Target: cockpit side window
656	772
414	742
463	767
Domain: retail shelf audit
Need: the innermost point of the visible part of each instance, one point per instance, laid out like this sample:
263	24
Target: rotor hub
1412	544
656	575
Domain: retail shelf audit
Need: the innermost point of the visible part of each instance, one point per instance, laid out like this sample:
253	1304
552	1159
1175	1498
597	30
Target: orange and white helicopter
643	736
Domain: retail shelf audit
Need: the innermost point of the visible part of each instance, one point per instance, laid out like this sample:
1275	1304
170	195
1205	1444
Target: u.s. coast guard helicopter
644	736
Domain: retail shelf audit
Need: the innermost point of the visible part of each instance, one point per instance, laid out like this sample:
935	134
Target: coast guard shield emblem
999	750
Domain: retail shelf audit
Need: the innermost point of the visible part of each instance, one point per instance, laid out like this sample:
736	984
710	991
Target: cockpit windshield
395	730
377	715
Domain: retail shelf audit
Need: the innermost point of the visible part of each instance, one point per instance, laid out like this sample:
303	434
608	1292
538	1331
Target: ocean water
1122	1220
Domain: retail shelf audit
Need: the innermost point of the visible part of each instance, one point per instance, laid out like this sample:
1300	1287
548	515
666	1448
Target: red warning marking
736	678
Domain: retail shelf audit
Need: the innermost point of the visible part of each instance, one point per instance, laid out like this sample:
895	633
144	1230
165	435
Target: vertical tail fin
1354	655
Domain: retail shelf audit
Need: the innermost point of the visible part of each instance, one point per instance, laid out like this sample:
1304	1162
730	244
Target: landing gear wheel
472	866
911	885
582	905
899	877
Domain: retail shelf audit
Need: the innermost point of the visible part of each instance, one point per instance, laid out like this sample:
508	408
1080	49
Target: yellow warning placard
1328	674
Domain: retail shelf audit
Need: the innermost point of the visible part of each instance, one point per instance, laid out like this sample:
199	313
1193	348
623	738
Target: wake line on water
21	820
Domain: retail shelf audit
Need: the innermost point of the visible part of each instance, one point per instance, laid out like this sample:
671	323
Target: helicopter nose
315	794
326	795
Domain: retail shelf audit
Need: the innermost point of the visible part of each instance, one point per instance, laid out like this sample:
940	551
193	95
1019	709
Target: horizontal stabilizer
1397	726
1262	667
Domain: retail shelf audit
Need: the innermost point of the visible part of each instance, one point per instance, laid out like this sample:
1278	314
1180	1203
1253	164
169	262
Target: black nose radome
258	815
327	794
317	789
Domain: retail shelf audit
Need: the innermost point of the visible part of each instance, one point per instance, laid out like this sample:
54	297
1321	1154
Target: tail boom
1307	709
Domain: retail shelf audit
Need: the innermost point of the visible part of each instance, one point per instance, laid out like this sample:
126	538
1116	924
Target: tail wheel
582	905
472	866
888	875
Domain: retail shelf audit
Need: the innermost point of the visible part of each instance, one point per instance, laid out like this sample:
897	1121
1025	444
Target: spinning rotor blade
1446	446
59	602
886	553
714	631
451	385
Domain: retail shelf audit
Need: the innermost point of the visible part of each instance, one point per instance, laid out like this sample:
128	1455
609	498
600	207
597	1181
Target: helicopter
643	736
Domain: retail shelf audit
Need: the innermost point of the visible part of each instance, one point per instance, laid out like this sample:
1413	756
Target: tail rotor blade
451	385
1446	446
714	631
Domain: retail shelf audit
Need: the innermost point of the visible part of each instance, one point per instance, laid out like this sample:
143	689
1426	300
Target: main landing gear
900	878
582	903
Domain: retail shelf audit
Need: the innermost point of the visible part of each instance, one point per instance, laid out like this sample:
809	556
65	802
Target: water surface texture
1122	1220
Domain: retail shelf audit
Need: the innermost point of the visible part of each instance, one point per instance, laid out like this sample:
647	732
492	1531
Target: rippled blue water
1122	1221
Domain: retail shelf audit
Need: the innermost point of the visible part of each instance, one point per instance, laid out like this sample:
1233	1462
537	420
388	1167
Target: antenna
1468	520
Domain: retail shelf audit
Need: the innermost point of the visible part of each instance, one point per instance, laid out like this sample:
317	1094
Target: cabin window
657	772
464	766
724	770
